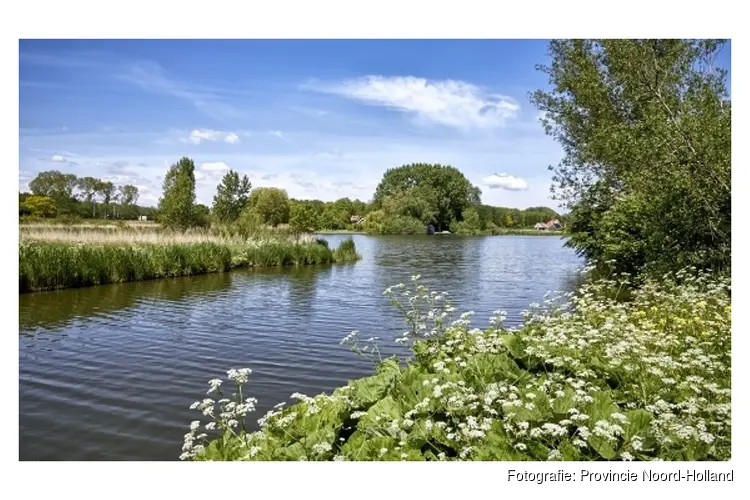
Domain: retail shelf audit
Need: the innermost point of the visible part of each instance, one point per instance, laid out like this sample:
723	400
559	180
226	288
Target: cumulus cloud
505	181
452	103
207	135
59	158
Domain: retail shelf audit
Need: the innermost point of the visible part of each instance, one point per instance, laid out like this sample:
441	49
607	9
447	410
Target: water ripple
108	373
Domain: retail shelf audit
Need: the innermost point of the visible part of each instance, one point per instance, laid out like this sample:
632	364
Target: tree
272	204
54	184
303	219
89	187
38	206
201	216
107	190
231	197
177	204
129	195
128	198
645	128
446	188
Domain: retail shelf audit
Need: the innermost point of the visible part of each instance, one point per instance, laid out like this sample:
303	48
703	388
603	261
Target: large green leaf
562	404
361	446
602	407
484	368
638	423
602	447
370	389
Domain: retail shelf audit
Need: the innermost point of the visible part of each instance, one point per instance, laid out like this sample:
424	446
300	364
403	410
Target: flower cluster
588	376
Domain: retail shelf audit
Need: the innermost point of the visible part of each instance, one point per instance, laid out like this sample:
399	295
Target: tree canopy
430	193
271	204
645	129
231	197
177	204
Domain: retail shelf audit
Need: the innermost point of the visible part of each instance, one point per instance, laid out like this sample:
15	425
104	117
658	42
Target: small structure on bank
551	225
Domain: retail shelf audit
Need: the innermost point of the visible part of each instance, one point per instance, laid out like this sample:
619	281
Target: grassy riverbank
53	258
585	378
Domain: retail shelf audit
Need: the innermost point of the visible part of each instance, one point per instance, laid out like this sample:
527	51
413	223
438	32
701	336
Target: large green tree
271	204
54	184
231	197
447	191
645	130
303	218
177	204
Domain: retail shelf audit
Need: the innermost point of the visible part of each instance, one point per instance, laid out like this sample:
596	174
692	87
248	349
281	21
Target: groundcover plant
587	376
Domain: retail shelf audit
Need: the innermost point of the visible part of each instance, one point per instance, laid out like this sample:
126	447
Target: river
108	373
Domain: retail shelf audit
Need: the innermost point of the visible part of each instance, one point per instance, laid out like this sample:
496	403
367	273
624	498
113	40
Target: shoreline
520	232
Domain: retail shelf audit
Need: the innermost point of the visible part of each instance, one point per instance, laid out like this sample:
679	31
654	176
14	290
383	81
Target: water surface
108	373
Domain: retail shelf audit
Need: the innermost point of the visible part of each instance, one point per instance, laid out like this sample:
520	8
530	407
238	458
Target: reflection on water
56	308
108	373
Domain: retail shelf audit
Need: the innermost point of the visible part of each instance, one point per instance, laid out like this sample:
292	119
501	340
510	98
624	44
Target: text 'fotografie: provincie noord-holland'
686	475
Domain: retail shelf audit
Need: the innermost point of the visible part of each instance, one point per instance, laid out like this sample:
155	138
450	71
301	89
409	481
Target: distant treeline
407	200
55	194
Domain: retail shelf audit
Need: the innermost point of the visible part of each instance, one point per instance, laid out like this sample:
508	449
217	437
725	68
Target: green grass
50	265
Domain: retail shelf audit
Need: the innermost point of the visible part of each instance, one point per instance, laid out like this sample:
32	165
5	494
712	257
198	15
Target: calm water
108	373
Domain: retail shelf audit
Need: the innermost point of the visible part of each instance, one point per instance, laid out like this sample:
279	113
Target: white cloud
452	103
214	167
58	158
200	135
505	181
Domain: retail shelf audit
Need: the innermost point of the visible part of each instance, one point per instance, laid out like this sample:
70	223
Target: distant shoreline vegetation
407	200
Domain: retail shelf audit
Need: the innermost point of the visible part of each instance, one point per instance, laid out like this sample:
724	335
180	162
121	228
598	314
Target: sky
323	119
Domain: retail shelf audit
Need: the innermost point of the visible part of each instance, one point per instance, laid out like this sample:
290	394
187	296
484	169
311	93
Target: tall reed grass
48	264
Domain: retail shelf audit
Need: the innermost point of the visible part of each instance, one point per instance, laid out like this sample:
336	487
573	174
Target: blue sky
320	118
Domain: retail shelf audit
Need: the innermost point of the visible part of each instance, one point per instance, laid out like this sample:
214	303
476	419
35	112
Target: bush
585	378
346	251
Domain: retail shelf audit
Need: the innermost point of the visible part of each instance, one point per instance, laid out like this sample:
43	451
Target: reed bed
70	260
147	235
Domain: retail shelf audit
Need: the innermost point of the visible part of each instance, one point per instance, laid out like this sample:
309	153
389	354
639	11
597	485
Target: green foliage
128	194
346	251
176	207
470	223
334	218
201	216
52	265
585	378
645	127
54	184
271	204
38	206
231	197
427	192
303	219
48	266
